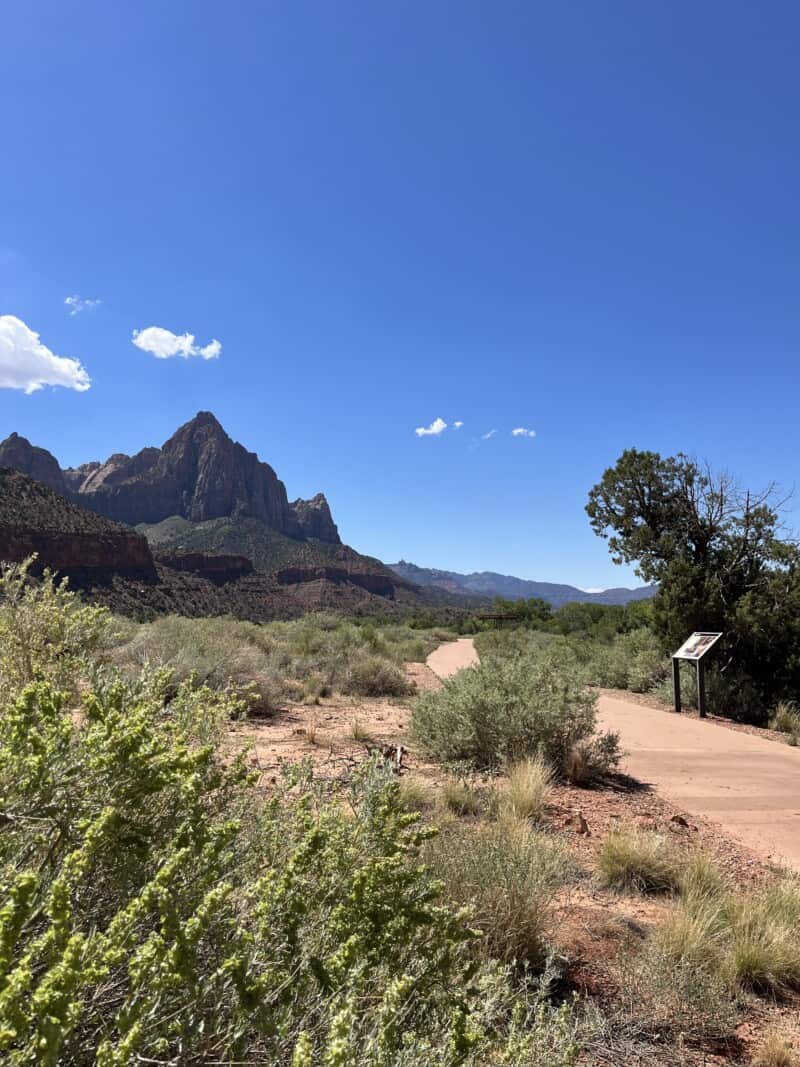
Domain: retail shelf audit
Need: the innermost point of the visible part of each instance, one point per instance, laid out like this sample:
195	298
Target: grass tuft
775	1051
639	861
530	784
509	875
461	798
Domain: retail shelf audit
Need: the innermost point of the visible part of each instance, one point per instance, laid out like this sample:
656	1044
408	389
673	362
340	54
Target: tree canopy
722	560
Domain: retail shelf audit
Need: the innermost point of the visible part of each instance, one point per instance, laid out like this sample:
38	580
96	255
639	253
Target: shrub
46	632
508	875
592	758
528	790
640	861
506	710
303	660
376	677
157	914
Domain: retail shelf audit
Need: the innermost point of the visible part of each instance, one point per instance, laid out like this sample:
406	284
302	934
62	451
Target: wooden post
676	682
701	689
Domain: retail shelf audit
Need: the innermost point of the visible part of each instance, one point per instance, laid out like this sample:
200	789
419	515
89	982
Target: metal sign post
693	649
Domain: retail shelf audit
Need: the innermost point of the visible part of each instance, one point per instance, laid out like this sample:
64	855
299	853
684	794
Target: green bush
46	632
508	709
375	677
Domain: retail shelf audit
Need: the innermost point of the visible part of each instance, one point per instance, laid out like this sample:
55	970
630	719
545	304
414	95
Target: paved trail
453	656
749	785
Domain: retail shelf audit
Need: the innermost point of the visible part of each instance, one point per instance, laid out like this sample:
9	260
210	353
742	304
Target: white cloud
522	432
77	304
27	364
592	589
436	427
488	436
457	425
164	344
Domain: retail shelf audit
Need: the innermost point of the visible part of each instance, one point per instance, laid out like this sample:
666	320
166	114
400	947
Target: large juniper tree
722	561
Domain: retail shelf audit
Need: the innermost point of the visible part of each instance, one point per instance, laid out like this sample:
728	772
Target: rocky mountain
489	584
214	532
115	565
200	473
36	519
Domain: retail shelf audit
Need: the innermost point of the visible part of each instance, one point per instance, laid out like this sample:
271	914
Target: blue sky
577	218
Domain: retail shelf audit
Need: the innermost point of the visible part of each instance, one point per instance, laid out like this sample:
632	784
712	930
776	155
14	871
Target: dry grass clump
415	795
775	1051
461	798
530	784
509	875
359	732
639	861
747	941
786	719
660	998
763	953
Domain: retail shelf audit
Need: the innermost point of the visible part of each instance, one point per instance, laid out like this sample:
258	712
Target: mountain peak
205	418
200	473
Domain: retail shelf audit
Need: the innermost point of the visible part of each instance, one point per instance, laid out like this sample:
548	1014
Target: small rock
680	821
583	826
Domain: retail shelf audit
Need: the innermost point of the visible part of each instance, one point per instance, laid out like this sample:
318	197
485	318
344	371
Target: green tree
722	562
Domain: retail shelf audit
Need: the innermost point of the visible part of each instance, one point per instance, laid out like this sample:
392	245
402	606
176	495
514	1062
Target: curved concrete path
747	784
453	656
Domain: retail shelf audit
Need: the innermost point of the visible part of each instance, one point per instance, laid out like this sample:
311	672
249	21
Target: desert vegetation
162	900
270	663
514	707
159	906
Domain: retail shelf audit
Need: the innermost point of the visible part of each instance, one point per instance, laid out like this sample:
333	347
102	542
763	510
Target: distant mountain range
489	584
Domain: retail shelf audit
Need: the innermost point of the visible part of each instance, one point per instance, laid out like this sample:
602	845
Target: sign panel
696	646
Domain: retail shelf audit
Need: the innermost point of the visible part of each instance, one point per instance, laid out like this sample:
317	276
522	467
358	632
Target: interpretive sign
697	645
693	649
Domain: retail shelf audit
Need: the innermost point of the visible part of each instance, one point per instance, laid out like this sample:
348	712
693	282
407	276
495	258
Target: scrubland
435	874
